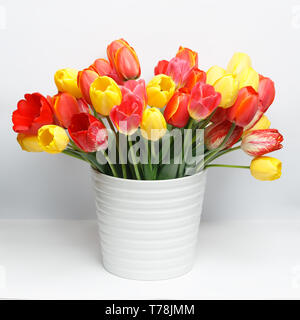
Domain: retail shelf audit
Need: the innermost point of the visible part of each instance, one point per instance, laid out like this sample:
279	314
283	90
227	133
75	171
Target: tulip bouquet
104	108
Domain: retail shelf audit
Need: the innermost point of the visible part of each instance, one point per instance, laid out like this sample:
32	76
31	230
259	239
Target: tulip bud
105	94
102	67
194	76
188	55
204	100
32	113
238	63
248	77
261	124
244	108
176	112
161	67
259	142
160	90
228	86
124	59
153	126
213	74
215	133
88	133
128	115
266	168
178	70
29	143
85	78
66	81
138	88
266	93
65	106
53	139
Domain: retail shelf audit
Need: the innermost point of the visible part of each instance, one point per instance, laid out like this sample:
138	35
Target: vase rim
147	181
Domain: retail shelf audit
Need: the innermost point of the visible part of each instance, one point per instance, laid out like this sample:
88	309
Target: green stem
72	154
111	125
112	167
136	169
124	171
207	120
221	153
227	166
182	165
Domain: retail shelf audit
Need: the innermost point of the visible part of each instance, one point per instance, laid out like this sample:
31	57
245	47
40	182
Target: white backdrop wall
39	37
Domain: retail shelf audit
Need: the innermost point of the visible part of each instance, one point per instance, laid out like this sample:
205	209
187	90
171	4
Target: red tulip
259	142
65	106
204	100
124	59
32	113
194	76
188	55
128	115
245	107
161	67
88	133
220	115
266	93
137	87
215	134
103	68
178	70
84	80
176	111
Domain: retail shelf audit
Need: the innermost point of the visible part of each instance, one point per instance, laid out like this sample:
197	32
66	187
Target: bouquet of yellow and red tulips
104	108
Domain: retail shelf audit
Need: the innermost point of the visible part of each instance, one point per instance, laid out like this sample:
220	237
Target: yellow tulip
248	77
238	63
160	90
29	143
262	124
153	125
228	86
66	81
52	138
105	94
266	168
213	74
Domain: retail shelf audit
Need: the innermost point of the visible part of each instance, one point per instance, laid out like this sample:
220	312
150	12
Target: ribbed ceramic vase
148	229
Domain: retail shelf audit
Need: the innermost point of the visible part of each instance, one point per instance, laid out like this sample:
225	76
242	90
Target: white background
39	37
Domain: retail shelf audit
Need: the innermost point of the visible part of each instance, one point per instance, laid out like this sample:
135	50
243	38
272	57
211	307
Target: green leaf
168	171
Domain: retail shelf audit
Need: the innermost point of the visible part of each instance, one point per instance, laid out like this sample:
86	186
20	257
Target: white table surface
59	259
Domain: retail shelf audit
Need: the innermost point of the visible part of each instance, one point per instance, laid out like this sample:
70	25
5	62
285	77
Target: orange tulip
104	68
188	55
65	106
84	81
176	112
124	59
194	76
244	108
101	66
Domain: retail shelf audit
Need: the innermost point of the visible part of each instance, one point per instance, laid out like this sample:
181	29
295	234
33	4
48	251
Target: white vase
148	229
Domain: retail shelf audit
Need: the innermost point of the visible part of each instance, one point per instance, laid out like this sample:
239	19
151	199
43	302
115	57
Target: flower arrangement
105	107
